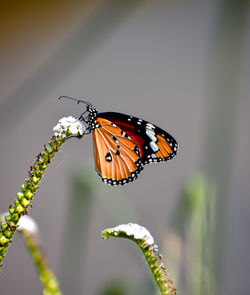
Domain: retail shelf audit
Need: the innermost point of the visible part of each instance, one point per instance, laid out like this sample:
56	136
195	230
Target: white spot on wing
151	135
151	126
154	146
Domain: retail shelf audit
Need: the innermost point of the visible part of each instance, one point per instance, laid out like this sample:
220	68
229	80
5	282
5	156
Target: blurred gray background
183	65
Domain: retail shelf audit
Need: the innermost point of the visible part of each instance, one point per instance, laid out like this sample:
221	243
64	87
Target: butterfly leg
82	118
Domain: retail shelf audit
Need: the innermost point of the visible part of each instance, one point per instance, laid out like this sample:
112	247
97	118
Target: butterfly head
90	119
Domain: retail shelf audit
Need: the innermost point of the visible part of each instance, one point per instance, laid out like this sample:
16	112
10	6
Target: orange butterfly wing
154	143
117	157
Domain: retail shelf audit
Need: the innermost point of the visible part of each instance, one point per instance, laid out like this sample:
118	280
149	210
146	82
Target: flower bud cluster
69	126
142	237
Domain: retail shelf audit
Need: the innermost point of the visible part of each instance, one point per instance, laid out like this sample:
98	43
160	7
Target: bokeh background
183	65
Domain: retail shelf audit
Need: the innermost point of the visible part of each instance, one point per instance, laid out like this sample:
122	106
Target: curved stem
47	277
24	198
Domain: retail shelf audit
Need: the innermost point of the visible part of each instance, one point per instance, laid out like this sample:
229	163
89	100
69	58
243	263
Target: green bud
44	166
34	188
25	202
4	226
28	194
8	218
40	161
11	210
4	241
23	188
2	250
40	167
20	196
45	156
35	179
17	203
38	173
8	233
19	209
15	217
48	150
29	185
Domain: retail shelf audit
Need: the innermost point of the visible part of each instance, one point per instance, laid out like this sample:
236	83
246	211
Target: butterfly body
124	144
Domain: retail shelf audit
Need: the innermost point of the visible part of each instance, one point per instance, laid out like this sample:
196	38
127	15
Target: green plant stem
157	268
47	277
24	198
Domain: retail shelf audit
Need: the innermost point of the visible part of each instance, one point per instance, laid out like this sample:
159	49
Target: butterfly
124	144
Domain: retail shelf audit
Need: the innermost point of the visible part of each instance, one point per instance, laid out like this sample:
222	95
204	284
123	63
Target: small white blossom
137	231
26	223
71	124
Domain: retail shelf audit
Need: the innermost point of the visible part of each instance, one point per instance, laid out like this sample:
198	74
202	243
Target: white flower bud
28	224
137	231
69	124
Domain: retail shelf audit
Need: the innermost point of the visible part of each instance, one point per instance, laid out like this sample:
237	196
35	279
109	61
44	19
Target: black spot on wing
108	157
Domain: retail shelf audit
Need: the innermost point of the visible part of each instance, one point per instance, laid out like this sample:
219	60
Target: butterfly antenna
75	99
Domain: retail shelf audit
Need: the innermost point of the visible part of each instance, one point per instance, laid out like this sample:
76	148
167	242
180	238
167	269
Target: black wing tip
151	160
